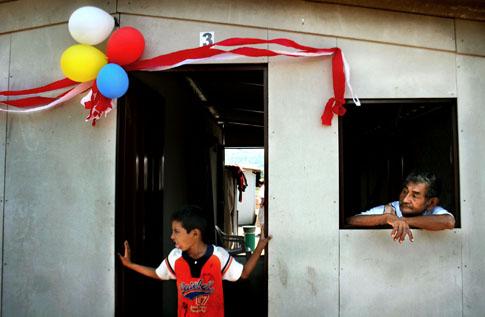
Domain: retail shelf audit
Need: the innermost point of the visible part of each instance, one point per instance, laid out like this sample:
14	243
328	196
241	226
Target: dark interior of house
173	127
382	141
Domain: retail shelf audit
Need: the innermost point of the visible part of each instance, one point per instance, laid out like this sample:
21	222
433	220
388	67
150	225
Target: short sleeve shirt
199	281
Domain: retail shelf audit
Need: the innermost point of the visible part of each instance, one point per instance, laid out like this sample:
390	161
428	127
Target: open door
173	128
139	197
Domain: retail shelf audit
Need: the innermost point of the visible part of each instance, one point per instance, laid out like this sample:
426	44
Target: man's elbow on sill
450	223
447	223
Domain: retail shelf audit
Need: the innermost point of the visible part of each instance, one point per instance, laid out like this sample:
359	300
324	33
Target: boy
199	268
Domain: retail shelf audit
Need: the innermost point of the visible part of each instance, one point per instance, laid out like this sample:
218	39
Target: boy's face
182	239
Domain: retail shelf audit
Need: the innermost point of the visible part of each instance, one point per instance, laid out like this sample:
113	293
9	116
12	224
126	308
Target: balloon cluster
83	62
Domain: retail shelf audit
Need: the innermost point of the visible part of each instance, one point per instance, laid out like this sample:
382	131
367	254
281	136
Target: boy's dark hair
428	178
192	217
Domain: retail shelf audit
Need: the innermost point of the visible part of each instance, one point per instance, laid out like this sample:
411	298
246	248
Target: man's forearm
433	222
368	220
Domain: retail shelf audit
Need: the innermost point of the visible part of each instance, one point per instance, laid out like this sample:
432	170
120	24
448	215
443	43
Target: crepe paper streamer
244	48
97	104
38	103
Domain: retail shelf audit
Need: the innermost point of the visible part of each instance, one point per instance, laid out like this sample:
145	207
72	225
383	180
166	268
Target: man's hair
430	179
191	217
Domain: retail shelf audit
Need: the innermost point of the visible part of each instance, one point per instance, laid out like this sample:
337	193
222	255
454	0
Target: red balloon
125	46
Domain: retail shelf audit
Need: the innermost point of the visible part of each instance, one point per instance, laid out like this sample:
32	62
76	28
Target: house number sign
206	38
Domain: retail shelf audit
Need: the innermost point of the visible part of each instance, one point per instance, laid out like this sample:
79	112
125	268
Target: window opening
382	141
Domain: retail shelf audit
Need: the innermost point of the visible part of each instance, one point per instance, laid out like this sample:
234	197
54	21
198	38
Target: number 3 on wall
206	38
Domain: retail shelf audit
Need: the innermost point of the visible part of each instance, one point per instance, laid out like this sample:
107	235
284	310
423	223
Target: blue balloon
112	81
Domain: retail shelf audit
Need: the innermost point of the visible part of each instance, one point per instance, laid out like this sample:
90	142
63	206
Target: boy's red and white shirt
199	285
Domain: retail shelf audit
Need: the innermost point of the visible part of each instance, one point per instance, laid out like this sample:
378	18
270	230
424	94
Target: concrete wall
59	175
470	81
4	76
314	268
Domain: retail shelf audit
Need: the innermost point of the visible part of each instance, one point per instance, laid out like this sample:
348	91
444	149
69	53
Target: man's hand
400	229
126	258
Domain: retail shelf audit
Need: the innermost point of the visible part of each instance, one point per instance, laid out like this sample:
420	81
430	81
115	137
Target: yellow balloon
82	62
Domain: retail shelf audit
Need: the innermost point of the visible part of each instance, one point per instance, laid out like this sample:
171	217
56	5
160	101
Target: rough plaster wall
294	276
414	279
421	65
307	17
4	64
26	14
390	71
303	190
168	35
471	126
415	73
378	71
59	210
376	274
470	37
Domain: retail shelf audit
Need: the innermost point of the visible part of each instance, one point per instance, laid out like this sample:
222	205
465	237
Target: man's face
412	200
182	239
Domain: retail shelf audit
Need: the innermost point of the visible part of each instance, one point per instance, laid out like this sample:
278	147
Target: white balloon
90	25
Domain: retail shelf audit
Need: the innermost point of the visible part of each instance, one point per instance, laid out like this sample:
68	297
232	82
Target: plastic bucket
250	237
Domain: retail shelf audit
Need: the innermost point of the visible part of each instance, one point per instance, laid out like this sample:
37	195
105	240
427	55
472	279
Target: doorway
173	129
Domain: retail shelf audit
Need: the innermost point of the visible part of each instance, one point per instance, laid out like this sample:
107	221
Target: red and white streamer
35	104
99	105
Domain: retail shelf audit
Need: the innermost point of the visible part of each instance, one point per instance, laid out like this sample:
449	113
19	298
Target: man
417	207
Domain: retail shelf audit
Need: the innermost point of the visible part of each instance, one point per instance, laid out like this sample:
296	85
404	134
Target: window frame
454	205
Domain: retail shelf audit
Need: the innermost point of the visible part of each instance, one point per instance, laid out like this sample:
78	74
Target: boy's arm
145	270
253	260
